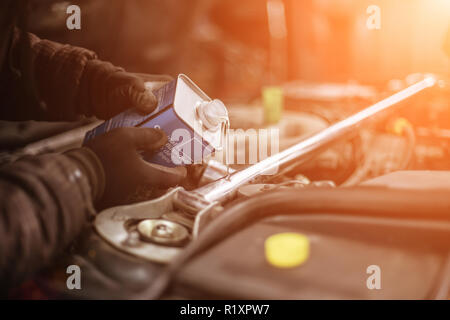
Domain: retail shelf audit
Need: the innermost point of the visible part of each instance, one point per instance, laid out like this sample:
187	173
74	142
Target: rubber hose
356	201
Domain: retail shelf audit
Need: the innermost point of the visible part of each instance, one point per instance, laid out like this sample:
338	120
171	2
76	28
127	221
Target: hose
359	201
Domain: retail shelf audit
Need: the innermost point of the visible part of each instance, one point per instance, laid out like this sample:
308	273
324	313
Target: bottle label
184	146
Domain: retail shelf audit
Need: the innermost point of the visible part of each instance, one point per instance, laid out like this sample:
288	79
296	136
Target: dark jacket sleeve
45	202
58	70
42	79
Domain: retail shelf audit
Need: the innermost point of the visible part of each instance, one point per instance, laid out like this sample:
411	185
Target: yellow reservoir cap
287	250
398	126
273	101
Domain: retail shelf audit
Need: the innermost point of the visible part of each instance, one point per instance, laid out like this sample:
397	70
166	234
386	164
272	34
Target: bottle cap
212	113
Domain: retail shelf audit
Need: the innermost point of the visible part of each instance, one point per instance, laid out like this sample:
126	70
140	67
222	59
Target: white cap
212	113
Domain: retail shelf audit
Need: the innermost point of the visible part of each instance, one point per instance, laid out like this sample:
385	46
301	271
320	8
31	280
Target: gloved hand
125	170
106	90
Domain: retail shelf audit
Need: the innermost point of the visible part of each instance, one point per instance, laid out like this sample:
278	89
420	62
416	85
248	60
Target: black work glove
125	170
106	90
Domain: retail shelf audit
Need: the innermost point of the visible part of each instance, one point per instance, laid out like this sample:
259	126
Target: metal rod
223	188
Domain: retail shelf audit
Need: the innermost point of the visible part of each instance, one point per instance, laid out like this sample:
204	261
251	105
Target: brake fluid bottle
195	125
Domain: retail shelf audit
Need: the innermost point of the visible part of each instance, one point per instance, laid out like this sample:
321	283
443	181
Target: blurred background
319	53
225	45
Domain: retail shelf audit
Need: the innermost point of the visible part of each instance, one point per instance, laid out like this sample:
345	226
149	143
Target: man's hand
106	90
125	170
